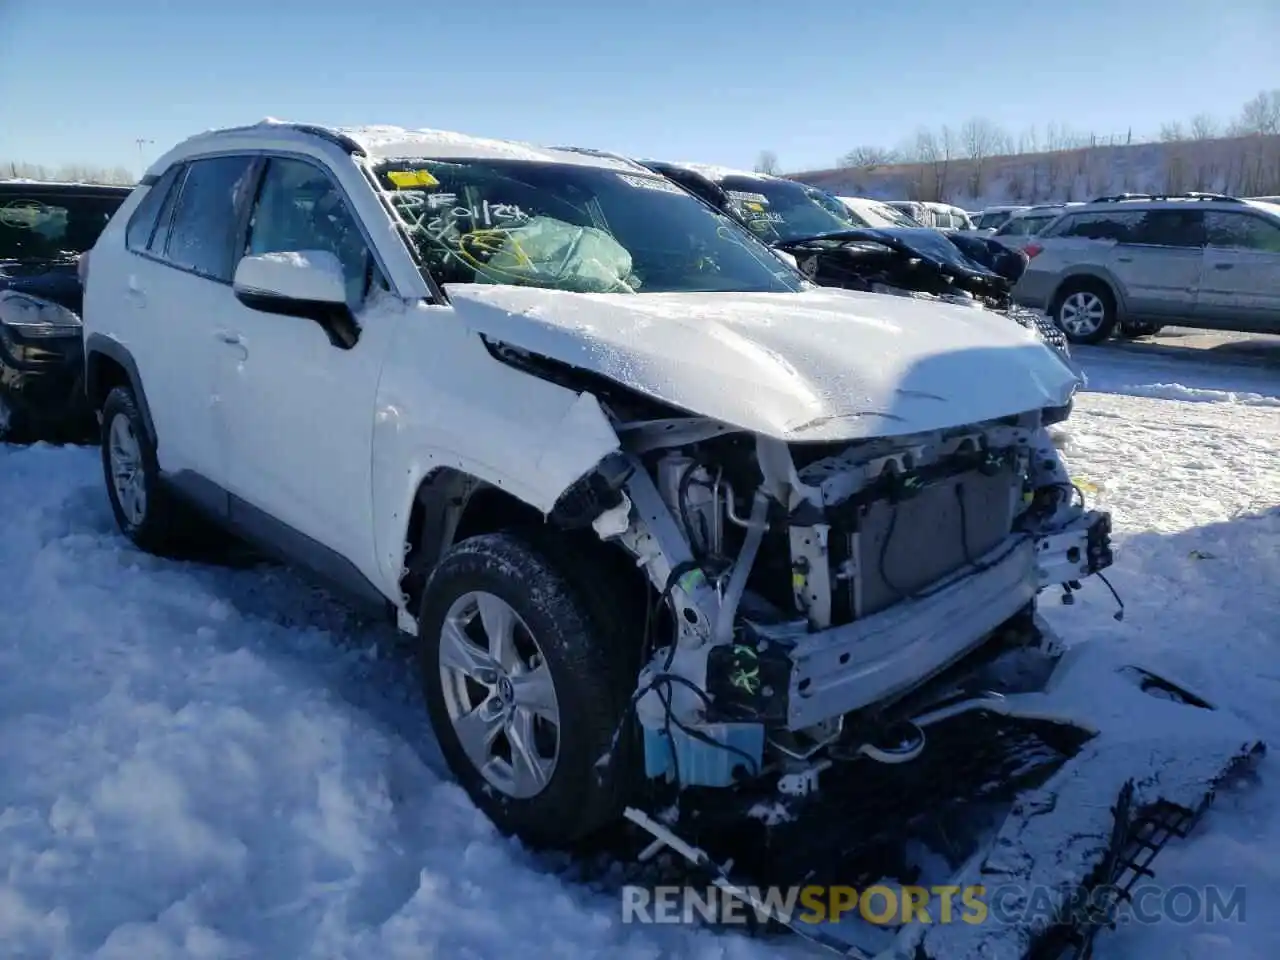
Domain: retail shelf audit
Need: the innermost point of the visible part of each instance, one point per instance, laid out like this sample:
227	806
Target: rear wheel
526	687
1085	312
144	510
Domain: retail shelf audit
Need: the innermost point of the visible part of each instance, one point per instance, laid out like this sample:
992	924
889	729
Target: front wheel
526	688
1085	313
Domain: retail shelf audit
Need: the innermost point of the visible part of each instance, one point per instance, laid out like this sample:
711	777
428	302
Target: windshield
869	213
994	220
51	225
1027	225
574	227
781	210
894	216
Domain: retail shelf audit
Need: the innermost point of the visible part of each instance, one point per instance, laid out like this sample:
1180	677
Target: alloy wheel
1082	313
127	475
499	694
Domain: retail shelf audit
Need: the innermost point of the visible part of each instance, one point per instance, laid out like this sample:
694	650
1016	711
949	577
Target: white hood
820	365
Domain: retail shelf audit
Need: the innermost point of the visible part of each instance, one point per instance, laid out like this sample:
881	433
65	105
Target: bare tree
1262	114
1172	132
1058	136
868	156
767	162
935	151
980	139
1203	127
1029	141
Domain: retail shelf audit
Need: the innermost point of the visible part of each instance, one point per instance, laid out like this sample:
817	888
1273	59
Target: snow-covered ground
204	762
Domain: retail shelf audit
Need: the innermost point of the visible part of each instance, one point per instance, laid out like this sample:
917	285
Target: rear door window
1241	231
43	224
204	221
1170	228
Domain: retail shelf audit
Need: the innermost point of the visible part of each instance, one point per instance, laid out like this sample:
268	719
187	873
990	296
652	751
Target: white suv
580	434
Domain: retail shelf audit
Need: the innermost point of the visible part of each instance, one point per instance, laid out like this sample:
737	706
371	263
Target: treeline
979	159
69	173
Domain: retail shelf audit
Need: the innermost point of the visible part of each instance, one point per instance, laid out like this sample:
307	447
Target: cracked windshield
574	228
781	210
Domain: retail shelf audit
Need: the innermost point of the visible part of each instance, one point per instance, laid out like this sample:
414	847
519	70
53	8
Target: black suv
44	230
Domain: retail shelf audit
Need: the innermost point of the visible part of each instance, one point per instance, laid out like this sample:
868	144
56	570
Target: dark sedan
44	230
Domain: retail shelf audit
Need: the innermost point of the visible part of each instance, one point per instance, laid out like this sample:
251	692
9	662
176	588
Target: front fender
445	403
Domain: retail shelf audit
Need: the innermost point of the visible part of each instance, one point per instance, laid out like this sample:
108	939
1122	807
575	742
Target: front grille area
902	548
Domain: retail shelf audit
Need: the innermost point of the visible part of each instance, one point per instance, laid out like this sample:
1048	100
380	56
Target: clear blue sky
707	80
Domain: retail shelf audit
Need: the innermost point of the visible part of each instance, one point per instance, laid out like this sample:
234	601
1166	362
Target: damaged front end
845	667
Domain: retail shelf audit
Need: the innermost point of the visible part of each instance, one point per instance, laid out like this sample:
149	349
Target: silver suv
1138	262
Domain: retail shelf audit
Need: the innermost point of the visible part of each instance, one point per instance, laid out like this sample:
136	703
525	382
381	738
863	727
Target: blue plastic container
668	753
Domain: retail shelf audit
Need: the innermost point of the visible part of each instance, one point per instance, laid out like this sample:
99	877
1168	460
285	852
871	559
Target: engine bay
812	587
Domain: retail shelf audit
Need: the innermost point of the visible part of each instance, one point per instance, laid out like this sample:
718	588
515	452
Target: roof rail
1115	198
341	140
324	133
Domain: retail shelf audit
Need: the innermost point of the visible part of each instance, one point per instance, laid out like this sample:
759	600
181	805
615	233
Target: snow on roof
386	142
78	184
714	172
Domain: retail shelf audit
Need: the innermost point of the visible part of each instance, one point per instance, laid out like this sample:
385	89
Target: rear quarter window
142	225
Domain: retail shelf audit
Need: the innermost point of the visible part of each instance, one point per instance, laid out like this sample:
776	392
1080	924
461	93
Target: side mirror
299	283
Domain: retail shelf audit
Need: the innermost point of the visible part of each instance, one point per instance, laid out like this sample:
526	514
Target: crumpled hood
820	365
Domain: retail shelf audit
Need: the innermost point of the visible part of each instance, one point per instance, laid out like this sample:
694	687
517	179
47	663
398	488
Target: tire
1076	296
591	679
154	521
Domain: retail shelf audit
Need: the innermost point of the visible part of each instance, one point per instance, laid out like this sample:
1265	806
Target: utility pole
142	142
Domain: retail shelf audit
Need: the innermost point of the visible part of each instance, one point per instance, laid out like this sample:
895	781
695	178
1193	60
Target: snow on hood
820	365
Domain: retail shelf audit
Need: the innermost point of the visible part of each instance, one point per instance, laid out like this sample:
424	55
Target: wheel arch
1090	277
451	505
109	364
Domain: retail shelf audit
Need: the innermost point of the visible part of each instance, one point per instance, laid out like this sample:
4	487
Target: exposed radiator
925	542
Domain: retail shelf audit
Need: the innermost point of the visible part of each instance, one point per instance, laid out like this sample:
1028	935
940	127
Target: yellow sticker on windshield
752	205
412	178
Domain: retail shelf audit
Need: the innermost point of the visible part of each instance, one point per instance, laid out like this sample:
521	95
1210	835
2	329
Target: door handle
1223	266
1124	259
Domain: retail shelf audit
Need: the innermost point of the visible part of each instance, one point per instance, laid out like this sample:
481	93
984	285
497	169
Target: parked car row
1218	269
860	244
